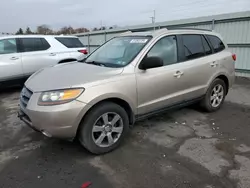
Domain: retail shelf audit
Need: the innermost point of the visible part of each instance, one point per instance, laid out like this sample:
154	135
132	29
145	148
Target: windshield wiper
95	63
82	60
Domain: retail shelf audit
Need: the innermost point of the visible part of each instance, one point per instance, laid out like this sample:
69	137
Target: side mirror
151	62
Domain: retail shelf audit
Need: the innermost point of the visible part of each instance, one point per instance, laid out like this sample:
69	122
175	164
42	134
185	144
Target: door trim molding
167	108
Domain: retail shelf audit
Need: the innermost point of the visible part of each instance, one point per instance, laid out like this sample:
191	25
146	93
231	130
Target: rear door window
70	42
34	44
216	43
8	46
193	47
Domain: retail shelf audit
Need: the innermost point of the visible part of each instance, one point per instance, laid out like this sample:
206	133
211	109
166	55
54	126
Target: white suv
21	56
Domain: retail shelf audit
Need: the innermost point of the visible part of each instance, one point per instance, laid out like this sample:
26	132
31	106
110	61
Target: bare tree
19	32
81	30
28	31
44	29
102	28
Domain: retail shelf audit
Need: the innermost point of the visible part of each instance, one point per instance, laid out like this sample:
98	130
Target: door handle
52	54
178	74
214	64
14	58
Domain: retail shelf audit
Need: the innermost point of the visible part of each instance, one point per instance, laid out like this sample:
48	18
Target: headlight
59	96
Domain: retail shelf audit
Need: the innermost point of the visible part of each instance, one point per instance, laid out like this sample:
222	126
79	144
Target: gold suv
130	77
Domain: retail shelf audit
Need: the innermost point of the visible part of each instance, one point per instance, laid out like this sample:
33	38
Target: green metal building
234	27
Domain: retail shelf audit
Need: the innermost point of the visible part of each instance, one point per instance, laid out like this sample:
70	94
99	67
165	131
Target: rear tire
104	128
215	96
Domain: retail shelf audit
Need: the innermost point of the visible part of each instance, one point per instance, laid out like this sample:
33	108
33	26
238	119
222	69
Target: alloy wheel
107	129
217	95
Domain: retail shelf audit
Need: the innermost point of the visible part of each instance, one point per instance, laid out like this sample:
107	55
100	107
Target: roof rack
159	31
180	28
125	33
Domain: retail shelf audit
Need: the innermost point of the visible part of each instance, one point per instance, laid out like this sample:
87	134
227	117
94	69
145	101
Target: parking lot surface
185	148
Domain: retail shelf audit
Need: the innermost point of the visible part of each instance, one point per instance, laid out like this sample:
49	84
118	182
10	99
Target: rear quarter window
216	43
70	42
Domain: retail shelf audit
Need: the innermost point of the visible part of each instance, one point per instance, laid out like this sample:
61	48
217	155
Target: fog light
46	134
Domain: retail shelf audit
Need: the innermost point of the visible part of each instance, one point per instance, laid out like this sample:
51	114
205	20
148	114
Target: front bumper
60	121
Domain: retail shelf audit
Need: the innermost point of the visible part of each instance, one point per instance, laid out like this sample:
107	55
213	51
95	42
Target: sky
94	13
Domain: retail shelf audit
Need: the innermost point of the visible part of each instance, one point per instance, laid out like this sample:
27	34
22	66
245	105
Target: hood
68	75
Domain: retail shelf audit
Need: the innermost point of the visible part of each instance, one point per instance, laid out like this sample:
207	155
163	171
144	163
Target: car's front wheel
215	96
104	128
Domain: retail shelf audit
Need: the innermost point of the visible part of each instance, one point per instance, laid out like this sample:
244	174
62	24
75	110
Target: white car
21	56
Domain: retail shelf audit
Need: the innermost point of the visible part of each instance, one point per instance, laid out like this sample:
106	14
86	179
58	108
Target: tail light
234	57
83	51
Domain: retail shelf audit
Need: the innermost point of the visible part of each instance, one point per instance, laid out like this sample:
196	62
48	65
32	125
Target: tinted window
46	45
70	42
8	46
193	46
34	44
165	48
207	48
216	43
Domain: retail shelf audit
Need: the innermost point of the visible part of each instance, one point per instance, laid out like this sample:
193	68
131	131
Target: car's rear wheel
104	128
215	96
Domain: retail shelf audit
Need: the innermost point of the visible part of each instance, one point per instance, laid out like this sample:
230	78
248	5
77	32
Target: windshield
118	52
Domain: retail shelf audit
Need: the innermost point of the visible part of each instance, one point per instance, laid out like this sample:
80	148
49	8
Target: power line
190	3
175	9
202	4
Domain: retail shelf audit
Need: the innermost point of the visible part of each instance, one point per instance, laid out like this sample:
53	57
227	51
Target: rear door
36	54
10	60
198	67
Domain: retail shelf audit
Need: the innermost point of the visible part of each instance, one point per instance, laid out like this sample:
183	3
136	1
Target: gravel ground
185	148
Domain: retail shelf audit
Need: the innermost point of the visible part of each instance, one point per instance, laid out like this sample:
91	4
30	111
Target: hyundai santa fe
130	77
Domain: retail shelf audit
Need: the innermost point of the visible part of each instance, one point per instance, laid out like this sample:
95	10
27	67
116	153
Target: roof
34	36
166	31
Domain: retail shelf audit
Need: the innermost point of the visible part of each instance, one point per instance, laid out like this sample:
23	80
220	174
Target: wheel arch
226	81
221	76
67	60
119	101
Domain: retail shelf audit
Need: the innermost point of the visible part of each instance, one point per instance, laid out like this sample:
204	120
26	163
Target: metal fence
234	27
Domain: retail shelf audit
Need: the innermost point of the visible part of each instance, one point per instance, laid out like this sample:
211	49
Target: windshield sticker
121	63
140	41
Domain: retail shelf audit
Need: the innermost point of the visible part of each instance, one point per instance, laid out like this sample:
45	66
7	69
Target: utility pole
153	19
101	24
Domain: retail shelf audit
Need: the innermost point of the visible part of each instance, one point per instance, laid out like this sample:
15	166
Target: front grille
25	96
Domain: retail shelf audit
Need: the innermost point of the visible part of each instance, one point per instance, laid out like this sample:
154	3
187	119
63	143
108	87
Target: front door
162	86
10	60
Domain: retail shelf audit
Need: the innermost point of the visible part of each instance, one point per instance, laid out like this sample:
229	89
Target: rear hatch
77	48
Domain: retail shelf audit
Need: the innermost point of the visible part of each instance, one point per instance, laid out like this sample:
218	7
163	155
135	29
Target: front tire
104	128
215	96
